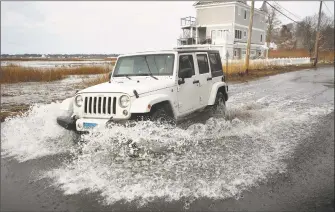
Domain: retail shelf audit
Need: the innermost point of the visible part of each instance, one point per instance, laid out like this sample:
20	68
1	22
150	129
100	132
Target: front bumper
80	125
67	122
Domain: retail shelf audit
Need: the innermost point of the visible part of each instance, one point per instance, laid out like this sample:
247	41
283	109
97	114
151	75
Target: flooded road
272	150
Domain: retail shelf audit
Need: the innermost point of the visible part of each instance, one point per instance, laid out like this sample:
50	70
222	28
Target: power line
287	10
281	12
328	8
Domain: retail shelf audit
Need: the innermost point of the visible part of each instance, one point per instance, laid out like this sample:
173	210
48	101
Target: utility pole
316	48
249	36
227	54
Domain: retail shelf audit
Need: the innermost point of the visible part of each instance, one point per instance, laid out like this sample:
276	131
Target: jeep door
187	94
204	77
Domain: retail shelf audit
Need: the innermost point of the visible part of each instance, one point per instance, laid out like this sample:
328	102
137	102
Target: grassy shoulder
254	74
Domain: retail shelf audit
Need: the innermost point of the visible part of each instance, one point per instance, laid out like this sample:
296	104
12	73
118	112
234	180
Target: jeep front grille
100	105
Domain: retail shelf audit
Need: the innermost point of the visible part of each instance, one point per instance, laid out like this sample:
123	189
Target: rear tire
220	102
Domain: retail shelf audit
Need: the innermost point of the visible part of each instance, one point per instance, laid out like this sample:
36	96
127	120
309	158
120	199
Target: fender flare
140	105
214	90
67	104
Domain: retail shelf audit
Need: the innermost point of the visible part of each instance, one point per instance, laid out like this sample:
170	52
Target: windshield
144	65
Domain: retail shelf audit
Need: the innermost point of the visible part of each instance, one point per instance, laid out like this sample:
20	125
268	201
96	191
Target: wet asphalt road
307	184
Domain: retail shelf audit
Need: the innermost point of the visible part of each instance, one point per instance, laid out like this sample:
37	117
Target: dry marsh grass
90	82
15	74
238	68
57	59
236	71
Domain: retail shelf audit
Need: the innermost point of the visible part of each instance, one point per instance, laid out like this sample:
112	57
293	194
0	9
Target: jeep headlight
79	100
124	101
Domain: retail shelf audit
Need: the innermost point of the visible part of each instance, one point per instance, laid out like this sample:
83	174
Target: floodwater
219	157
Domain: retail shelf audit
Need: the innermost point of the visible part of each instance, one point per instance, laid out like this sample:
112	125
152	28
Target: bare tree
326	41
273	22
305	33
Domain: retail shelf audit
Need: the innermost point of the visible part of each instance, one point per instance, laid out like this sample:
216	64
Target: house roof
216	2
263	8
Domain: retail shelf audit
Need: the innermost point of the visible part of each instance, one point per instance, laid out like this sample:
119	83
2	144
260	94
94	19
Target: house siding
258	20
215	15
255	36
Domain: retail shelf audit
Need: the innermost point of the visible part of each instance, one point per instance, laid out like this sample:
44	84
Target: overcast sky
105	26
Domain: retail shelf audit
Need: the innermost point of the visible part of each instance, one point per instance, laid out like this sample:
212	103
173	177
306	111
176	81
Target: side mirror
181	81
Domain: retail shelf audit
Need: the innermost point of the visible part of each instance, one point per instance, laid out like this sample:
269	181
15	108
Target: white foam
34	134
218	159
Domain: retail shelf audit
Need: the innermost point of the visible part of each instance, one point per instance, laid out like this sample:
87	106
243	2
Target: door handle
195	81
209	78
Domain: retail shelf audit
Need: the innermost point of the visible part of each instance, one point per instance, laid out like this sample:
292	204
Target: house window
235	53
245	14
238	34
261	38
245	33
238	11
219	35
213	34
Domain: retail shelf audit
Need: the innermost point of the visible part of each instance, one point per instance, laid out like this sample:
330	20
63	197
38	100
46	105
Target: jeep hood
128	86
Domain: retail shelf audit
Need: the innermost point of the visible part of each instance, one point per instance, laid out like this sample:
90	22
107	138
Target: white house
223	25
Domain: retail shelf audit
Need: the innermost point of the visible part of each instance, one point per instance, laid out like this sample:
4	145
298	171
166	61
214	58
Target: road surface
273	150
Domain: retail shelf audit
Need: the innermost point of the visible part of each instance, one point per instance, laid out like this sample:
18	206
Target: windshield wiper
127	77
151	75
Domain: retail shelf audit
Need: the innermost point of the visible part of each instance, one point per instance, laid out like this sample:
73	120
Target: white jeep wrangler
162	84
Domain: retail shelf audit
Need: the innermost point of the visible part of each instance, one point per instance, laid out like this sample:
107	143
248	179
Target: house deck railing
194	40
187	21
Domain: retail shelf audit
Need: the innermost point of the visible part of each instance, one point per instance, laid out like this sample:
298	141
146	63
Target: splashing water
219	158
34	134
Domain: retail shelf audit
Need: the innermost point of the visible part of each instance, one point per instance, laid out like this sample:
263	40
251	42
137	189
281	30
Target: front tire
161	115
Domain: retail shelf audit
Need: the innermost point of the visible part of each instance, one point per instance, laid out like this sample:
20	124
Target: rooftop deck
187	22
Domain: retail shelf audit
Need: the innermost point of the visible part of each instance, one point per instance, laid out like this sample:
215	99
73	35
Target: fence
274	61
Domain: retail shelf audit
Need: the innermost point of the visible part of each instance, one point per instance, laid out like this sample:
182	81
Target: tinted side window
216	66
203	63
185	62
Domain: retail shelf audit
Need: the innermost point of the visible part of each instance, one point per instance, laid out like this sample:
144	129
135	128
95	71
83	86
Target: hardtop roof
171	51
